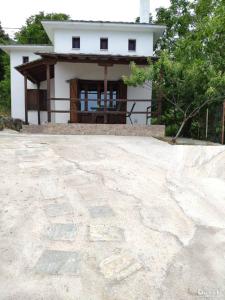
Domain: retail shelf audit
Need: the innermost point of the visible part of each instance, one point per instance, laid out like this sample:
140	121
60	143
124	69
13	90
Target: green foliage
4	76
178	19
33	32
5	87
4	39
190	72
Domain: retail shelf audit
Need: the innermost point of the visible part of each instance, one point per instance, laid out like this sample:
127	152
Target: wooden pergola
43	69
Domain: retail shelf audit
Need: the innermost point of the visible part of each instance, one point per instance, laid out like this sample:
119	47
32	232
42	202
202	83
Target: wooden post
73	101
111	96
99	94
38	104
86	98
223	124
105	92
48	92
26	99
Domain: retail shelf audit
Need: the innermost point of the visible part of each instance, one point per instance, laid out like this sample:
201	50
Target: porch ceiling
36	70
96	58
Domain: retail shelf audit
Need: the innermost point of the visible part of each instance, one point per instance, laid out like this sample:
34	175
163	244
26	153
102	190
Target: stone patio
110	218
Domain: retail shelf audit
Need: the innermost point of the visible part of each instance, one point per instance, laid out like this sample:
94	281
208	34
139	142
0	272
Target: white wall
33	117
139	93
17	88
66	71
17	83
90	42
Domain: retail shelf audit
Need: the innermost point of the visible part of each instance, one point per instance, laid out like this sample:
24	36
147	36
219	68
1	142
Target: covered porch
95	98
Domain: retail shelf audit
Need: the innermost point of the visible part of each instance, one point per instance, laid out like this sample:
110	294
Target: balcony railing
114	111
110	110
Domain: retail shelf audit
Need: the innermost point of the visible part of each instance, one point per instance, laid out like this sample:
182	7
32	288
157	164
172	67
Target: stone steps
96	129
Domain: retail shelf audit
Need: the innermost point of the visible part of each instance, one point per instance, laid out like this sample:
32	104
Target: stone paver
101	212
118	267
105	233
61	232
57	210
54	262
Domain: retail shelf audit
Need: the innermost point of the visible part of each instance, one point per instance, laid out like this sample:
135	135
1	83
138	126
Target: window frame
101	40
135	45
73	38
25	59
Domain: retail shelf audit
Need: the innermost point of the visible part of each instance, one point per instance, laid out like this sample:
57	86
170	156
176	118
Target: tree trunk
187	128
179	131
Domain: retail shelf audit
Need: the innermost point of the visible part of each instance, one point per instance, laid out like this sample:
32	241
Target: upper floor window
132	45
104	44
25	59
76	42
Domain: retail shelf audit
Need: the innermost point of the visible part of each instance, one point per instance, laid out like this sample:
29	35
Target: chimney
144	11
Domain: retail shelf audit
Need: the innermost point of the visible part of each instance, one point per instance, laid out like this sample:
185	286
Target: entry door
92	95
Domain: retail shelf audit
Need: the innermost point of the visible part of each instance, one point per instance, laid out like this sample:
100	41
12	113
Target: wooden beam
223	124
103	64
48	92
105	91
31	78
38	104
26	99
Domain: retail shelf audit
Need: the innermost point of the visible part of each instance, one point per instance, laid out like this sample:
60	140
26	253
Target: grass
4	112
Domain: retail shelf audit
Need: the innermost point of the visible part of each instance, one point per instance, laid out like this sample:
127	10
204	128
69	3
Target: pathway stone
118	267
101	212
105	233
54	262
58	209
61	232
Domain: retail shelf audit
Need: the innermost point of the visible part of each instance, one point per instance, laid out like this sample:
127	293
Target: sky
13	13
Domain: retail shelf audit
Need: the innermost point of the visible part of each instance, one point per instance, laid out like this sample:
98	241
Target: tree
190	73
178	19
4	39
4	74
33	32
188	89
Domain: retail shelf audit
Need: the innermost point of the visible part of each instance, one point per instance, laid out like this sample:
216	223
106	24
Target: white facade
90	42
90	33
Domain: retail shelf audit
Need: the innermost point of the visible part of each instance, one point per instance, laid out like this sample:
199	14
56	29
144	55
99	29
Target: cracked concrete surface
110	218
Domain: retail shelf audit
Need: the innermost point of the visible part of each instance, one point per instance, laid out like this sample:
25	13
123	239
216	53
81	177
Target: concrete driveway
113	218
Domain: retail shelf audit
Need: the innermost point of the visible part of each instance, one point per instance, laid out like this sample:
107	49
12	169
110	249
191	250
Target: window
132	45
76	42
25	59
104	44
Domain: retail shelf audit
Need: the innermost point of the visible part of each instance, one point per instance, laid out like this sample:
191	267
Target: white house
78	78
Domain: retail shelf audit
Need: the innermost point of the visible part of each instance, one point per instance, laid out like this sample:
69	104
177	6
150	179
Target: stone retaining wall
97	129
